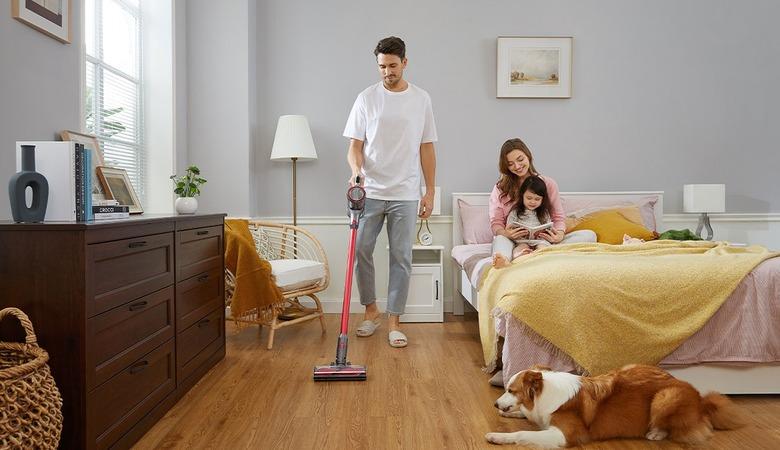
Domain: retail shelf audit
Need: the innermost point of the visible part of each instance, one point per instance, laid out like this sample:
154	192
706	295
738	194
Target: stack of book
109	209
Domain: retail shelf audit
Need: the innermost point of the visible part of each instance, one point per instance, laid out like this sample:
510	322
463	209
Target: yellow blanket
611	305
256	293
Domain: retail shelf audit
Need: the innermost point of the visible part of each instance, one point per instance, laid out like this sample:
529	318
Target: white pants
504	246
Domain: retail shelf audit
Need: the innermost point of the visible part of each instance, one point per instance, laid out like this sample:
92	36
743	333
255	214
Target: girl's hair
509	183
538	187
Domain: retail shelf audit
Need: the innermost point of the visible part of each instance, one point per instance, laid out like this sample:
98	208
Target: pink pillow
475	223
576	206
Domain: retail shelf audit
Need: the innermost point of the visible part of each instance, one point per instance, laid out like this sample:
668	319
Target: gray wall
39	89
664	93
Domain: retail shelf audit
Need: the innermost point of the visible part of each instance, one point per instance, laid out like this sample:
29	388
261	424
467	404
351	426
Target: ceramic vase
186	205
17	190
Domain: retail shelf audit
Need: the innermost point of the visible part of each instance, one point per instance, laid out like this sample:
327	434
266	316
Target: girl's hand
514	232
552	236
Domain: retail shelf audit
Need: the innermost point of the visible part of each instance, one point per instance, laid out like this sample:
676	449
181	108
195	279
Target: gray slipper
396	339
367	327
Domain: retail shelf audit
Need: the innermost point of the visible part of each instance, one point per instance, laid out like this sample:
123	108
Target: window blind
113	85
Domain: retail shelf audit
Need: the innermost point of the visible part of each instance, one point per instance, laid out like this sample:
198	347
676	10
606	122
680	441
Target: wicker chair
301	269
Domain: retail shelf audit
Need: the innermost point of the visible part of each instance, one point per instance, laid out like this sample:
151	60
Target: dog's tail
722	412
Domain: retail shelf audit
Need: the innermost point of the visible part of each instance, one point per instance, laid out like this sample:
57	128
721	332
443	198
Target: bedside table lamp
293	141
704	198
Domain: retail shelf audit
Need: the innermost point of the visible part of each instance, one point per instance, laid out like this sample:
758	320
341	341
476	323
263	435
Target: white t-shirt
392	125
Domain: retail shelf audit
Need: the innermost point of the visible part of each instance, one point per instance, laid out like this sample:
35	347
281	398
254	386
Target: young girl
533	209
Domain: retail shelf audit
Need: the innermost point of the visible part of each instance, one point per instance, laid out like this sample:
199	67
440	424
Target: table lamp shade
293	139
704	198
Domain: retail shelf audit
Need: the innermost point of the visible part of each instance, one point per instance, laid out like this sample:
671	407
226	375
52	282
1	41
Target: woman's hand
515	233
551	236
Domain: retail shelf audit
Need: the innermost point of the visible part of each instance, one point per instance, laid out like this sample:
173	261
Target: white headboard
482	198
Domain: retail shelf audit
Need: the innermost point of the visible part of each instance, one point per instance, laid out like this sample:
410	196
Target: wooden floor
430	395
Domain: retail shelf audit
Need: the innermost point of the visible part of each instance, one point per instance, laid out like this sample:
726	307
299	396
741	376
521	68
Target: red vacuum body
341	369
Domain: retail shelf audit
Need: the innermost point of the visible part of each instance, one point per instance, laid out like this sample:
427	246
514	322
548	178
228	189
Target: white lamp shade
293	139
704	198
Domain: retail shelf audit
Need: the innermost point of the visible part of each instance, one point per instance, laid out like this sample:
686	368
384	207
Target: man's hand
355	180
426	205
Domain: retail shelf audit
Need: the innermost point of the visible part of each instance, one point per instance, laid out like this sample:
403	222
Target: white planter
186	205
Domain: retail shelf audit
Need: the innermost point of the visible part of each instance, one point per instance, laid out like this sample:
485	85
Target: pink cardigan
499	209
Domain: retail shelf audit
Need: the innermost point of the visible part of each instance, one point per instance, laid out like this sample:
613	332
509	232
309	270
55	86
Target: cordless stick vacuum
341	369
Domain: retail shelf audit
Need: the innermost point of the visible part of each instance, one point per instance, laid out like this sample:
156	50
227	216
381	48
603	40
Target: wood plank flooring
429	395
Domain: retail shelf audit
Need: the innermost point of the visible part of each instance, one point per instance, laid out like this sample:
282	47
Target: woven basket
30	404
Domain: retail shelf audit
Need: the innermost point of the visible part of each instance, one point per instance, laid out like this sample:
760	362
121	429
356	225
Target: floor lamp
293	141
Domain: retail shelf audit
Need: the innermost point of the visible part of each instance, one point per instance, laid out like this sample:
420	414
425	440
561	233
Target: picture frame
51	17
117	186
90	142
533	67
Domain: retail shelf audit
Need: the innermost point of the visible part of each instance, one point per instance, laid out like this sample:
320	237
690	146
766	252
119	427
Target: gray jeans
401	221
505	246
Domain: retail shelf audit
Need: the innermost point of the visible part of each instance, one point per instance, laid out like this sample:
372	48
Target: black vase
18	185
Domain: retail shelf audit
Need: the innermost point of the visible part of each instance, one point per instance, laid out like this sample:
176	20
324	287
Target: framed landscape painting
51	17
533	67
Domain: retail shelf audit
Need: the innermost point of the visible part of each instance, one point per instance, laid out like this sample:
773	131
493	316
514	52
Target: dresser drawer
198	250
195	344
197	296
120	336
121	271
118	404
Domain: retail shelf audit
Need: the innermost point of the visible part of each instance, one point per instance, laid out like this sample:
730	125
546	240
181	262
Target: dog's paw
498	438
656	435
513	414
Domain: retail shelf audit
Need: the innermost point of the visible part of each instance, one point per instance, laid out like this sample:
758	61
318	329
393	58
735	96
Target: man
391	131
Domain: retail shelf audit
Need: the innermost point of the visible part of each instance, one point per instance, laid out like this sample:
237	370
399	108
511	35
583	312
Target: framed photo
91	143
51	17
533	67
117	186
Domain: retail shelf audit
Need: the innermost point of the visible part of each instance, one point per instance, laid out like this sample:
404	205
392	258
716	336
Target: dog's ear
533	382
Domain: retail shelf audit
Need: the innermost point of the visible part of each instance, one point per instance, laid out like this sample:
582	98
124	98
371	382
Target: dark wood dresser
131	312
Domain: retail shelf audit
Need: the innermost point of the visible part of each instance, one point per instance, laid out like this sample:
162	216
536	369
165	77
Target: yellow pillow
631	213
610	225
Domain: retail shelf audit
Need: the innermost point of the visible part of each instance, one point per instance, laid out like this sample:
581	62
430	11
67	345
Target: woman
516	164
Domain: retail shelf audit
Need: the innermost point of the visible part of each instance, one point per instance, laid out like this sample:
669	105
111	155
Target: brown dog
632	402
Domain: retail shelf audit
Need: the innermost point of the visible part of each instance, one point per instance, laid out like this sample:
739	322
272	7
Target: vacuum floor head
334	372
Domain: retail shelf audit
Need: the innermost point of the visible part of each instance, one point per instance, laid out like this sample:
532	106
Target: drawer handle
437	289
138	367
203	323
137	244
203	278
138	305
202	232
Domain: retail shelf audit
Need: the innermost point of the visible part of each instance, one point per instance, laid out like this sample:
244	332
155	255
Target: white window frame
140	163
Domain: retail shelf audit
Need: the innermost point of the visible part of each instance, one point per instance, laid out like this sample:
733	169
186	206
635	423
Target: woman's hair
538	187
509	183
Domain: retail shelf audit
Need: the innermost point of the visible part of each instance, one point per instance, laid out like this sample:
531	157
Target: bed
751	364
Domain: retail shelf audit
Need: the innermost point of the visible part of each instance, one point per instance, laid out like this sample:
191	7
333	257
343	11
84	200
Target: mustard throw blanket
256	293
611	305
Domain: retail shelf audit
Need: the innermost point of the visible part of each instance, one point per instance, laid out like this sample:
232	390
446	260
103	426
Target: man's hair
391	46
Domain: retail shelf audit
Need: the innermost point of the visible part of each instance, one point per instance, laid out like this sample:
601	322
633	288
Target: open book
532	231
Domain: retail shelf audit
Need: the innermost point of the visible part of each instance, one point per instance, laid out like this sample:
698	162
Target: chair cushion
296	273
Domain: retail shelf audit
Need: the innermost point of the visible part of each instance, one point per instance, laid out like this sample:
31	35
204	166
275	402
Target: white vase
186	205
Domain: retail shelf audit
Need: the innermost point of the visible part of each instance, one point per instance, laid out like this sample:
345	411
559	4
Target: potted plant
187	187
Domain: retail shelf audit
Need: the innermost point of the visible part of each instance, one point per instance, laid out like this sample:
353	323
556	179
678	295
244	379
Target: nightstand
426	295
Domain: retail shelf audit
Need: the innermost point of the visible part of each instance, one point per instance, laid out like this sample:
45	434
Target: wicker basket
30	404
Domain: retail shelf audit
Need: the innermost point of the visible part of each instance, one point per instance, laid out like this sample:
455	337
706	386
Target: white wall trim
736	217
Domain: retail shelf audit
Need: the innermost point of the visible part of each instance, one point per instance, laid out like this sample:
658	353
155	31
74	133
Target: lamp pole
295	194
